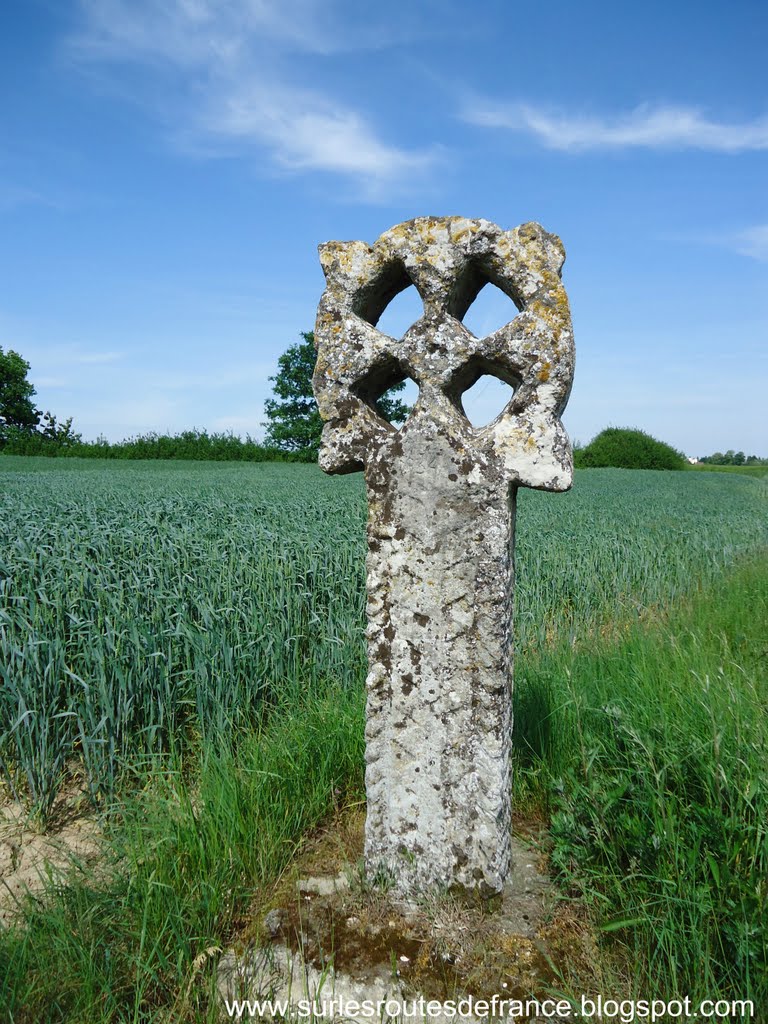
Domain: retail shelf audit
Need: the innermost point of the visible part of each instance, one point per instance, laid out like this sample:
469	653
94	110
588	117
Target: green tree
16	392
628	449
60	434
25	430
294	421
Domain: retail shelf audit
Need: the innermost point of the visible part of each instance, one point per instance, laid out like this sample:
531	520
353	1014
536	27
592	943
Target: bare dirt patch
324	914
30	856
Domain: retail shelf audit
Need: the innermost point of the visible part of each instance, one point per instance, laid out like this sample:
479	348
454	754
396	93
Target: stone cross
441	517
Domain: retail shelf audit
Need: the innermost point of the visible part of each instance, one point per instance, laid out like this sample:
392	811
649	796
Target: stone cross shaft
441	517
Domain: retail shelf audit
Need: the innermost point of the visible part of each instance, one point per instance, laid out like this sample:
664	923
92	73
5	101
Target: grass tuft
650	757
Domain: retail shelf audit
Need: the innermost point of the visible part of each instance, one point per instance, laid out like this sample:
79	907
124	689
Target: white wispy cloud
752	242
62	356
190	31
14	196
248	423
305	131
219	378
127	416
649	127
235	68
96	358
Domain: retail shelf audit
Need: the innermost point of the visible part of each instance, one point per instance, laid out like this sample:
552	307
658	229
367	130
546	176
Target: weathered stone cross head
441	514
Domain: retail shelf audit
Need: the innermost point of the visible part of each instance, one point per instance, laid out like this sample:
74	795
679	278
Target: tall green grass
708	467
147	605
150	614
649	755
137	941
139	609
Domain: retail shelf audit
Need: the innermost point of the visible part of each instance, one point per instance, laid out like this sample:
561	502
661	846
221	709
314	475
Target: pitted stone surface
441	498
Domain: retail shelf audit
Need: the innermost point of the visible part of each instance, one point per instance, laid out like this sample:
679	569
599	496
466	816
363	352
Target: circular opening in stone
394	405
387	390
401	313
486	399
390	301
491	310
407	396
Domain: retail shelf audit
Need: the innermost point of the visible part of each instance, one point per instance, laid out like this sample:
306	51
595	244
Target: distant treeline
628	448
732	458
189	444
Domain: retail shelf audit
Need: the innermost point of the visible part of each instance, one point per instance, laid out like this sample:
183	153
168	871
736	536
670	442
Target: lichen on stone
441	521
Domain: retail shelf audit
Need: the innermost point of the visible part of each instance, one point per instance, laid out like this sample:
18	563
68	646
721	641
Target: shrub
628	449
195	444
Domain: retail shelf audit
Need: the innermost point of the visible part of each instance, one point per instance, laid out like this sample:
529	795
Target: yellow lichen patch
554	311
543	373
461	229
528	232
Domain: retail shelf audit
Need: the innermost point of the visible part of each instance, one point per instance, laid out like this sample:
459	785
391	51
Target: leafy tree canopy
628	449
16	393
23	428
294	421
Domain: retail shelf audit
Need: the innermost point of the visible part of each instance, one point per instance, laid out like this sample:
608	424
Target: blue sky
168	168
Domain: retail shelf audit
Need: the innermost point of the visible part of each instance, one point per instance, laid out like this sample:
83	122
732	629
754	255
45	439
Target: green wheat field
185	643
